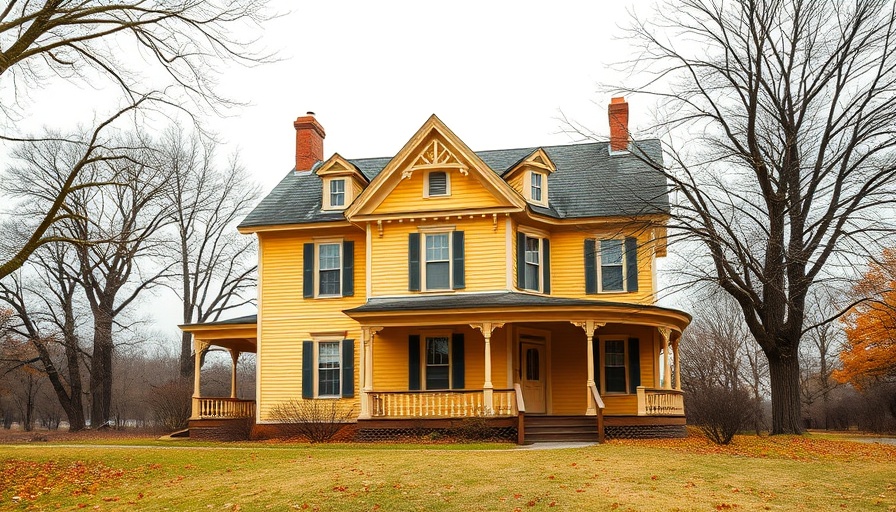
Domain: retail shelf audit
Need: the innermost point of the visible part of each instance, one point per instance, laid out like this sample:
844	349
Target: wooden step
560	428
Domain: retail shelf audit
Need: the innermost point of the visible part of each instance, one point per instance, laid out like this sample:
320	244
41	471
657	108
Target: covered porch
513	355
236	336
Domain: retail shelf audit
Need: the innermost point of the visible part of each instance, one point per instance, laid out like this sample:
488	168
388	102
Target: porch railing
206	408
441	404
660	402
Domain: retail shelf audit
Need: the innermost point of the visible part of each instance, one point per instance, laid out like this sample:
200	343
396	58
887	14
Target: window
328	369
611	265
438	262
614	367
337	193
533	365
437	362
328	269
437	184
328	366
535	190
533	262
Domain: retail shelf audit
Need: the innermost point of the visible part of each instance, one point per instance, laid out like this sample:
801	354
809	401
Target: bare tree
82	41
779	116
215	265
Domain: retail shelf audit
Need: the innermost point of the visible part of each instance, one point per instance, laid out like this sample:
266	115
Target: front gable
462	181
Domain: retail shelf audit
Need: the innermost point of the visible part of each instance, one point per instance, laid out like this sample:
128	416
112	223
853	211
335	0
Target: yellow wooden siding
467	192
516	182
568	267
287	319
390	356
485	249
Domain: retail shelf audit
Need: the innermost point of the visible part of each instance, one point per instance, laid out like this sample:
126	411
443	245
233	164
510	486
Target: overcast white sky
498	73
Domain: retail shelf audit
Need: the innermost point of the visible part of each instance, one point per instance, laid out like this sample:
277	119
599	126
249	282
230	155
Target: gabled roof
589	182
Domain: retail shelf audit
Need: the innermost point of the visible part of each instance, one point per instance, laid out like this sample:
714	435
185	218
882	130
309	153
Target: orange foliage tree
870	352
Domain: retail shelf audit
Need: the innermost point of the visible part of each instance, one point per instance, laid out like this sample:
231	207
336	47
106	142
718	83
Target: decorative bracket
665	332
379	227
487	328
367	333
589	326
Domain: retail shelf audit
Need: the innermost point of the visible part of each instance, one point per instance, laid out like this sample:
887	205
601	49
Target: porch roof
235	333
511	307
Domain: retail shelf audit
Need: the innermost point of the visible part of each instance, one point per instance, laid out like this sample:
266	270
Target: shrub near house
442	283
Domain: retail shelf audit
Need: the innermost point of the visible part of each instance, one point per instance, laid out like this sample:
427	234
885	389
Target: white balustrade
440	404
223	408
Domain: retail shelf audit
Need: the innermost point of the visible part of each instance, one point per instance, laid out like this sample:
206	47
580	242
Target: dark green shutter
596	350
546	265
457	361
348	368
521	261
631	264
590	265
307	369
414	262
457	247
414	362
348	268
308	271
634	365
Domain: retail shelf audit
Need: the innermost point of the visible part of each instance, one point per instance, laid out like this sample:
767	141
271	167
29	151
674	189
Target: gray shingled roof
589	182
248	319
483	301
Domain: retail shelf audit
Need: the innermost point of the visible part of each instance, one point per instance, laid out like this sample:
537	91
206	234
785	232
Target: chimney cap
309	113
617	99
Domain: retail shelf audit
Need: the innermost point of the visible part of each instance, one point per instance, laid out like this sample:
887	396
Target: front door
532	376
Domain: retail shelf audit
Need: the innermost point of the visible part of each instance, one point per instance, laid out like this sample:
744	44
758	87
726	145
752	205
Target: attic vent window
437	184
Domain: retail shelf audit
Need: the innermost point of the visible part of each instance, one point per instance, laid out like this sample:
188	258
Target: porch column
590	326
234	356
367	336
487	388
198	348
677	365
667	366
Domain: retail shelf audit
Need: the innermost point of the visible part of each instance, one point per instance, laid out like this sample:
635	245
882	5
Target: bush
315	420
719	411
171	404
476	428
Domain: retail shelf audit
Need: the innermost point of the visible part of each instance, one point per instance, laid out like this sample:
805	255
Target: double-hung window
328	366
329	269
614	367
535	186
533	262
611	266
328	369
337	193
438	261
438	362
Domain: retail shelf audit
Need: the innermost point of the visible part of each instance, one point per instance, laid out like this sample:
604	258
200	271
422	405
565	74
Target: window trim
541	236
424	335
602	340
600	268
328	338
426	193
346	193
429	231
544	188
317	243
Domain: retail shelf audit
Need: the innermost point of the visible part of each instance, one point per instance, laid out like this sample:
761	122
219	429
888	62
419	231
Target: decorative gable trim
338	166
537	159
434	145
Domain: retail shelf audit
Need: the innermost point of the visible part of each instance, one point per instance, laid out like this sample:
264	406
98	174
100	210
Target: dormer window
437	184
536	186
537	189
337	193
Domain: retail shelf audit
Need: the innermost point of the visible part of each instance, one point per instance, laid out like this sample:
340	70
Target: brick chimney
309	141
618	113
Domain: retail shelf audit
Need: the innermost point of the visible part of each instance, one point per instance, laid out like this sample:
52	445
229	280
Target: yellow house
441	283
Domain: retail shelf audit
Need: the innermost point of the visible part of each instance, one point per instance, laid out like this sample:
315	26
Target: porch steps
560	428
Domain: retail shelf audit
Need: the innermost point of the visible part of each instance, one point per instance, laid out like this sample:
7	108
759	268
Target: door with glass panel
532	376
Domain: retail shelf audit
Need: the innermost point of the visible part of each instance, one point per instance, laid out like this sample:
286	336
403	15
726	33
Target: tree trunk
784	377
101	369
186	355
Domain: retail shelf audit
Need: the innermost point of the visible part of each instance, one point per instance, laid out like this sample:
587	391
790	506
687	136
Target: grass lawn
779	473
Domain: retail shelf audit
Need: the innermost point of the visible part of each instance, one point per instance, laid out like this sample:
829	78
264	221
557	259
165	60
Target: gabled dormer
342	182
529	177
